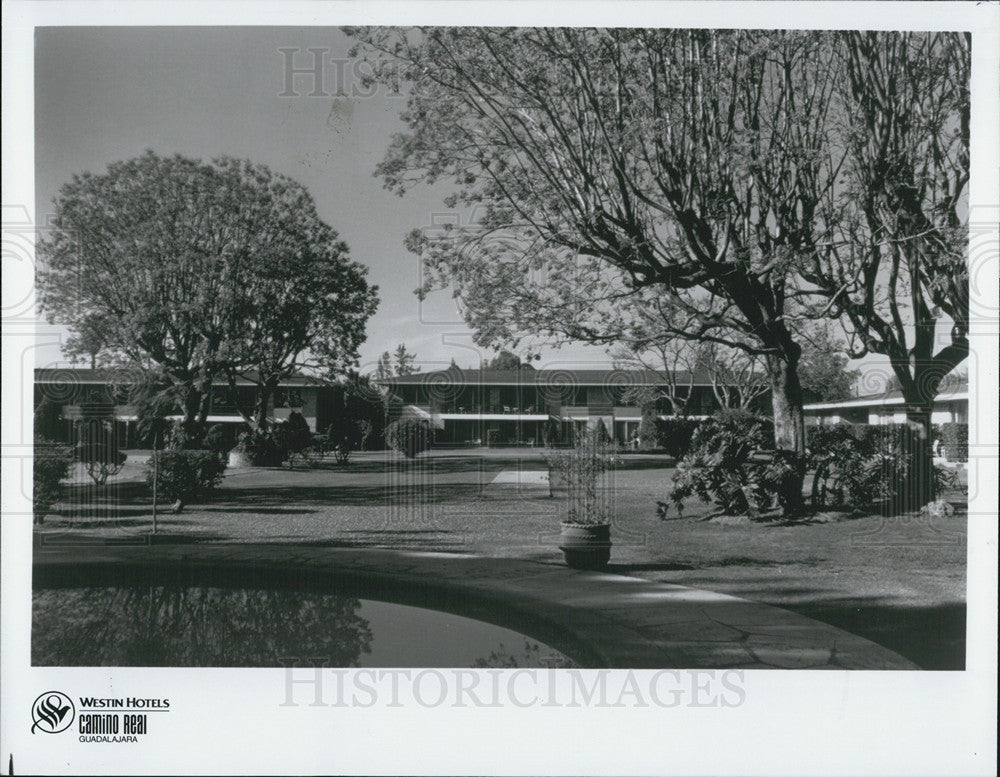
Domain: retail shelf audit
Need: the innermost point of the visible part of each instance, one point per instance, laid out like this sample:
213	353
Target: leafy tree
216	441
823	367
404	361
141	248
97	449
90	341
153	403
299	300
744	180
505	360
384	369
48	420
201	270
608	166
397	364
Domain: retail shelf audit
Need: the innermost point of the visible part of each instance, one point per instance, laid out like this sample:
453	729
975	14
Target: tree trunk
265	392
789	426
192	409
196	401
918	487
786	403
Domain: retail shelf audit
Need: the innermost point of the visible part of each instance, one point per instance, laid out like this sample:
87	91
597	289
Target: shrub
340	439
177	437
722	464
293	437
345	435
97	449
409	436
674	435
492	438
216	440
599	434
49	423
581	469
184	475
260	449
858	465
649	435
954	439
51	465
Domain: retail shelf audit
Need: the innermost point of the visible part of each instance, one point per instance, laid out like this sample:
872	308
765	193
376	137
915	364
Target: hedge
51	463
954	440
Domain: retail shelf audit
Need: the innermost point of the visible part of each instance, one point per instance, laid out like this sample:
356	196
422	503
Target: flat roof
554	378
949	394
127	374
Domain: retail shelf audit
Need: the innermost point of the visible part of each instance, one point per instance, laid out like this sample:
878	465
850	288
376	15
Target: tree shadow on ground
443	465
347	495
78	536
633	569
729	561
417	539
76	522
261	510
931	637
108	493
644	464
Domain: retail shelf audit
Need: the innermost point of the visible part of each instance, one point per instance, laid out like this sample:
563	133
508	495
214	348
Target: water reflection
204	626
531	655
175	626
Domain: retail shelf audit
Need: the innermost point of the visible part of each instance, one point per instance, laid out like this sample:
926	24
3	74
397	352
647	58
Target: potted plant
584	473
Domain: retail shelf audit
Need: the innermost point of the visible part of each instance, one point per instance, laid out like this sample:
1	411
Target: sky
105	94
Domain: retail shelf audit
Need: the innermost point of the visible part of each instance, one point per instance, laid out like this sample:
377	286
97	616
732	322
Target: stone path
600	620
523	482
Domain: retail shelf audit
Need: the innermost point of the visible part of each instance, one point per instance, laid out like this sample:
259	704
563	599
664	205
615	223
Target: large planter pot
585	546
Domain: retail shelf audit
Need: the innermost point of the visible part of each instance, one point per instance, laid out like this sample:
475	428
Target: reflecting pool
203	626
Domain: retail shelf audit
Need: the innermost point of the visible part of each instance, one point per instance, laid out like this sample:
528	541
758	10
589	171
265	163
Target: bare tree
893	264
672	361
681	162
738	378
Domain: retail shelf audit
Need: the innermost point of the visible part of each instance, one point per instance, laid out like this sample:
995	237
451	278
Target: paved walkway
521	482
600	620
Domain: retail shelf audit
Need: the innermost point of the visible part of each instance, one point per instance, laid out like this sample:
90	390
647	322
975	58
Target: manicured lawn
898	581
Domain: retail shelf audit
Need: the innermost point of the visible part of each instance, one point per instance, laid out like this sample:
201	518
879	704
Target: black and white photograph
403	388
